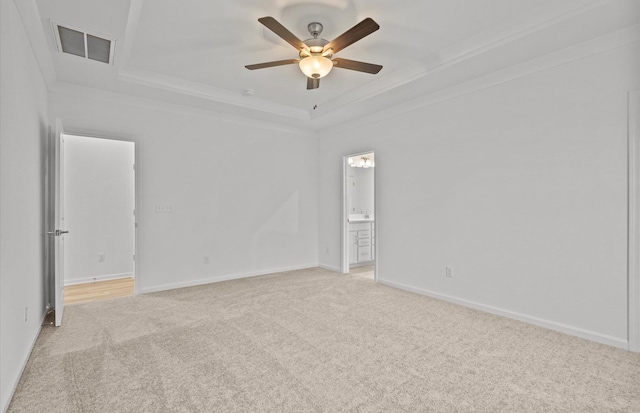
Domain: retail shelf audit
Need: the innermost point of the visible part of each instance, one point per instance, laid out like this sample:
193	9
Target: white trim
376	227
211	280
186	87
97	278
75	90
344	251
136	249
551	60
208	92
330	268
534	21
16	381
551	325
634	222
362	264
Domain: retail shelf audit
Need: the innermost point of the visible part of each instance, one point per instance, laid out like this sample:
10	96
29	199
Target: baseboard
551	325
98	278
202	281
24	364
330	268
362	264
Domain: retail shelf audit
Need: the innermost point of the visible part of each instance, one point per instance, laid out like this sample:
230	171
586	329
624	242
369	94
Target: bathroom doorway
359	224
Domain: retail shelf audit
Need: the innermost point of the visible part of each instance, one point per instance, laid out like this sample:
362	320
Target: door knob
57	232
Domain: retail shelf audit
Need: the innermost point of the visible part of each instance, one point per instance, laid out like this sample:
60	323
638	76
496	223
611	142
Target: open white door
59	224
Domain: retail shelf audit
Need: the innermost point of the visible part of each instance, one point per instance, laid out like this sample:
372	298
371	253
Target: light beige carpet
314	341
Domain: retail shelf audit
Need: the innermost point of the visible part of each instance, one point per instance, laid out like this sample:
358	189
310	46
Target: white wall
23	133
521	188
243	194
99	202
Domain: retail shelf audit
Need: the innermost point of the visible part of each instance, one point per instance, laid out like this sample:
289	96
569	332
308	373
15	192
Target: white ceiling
193	52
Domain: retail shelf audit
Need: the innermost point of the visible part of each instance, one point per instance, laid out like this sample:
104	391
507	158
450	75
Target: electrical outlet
26	314
206	259
101	257
448	271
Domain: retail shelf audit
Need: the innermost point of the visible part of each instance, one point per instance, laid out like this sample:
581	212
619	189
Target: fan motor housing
315	28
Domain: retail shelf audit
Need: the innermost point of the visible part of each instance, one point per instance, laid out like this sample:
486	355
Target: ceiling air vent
80	43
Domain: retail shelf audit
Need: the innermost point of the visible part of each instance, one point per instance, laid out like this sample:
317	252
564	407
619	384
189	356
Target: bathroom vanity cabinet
361	242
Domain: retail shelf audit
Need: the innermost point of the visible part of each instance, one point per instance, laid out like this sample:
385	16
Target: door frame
97	135
345	214
633	241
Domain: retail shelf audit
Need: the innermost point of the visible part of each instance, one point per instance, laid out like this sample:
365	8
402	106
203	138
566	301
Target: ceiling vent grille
80	43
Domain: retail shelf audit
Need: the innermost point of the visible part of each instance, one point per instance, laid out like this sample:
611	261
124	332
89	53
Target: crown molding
207	92
149	78
536	21
593	47
118	98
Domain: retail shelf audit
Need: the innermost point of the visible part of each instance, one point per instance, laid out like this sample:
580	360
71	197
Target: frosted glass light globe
316	67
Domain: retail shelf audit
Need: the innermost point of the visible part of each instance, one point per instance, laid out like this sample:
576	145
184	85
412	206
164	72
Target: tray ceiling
193	52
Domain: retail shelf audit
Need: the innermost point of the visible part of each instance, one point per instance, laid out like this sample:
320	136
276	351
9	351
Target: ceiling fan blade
273	25
355	65
357	32
312	83
272	64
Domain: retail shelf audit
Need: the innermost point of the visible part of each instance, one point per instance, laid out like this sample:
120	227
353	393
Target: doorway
359	218
99	214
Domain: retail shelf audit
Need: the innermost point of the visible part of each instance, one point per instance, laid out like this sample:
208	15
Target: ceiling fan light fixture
317	54
363	161
316	49
316	67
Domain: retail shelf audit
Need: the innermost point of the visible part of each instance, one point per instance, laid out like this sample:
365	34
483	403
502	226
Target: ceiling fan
316	54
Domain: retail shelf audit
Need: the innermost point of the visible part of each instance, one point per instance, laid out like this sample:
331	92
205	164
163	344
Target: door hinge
134	257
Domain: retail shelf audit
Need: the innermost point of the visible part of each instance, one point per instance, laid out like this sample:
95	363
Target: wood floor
366	272
100	290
